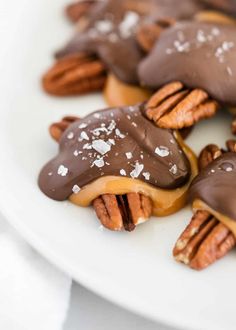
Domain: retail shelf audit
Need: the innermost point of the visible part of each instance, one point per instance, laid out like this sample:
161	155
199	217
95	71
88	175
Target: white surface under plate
135	270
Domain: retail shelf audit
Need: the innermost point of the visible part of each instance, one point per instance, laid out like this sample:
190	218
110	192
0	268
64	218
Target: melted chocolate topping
111	27
197	54
215	185
120	142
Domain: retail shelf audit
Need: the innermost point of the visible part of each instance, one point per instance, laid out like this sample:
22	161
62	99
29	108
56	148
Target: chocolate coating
111	27
215	185
228	6
120	142
200	55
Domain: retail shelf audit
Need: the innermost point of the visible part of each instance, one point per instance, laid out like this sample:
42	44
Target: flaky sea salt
76	189
77	152
128	24
70	135
104	26
83	125
137	170
99	162
87	146
119	134
146	175
173	169
128	155
122	172
62	170
101	146
83	136
162	151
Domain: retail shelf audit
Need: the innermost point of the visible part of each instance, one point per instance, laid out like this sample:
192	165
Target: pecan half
148	33
205	239
174	106
57	129
77	74
208	154
233	126
231	145
76	10
116	212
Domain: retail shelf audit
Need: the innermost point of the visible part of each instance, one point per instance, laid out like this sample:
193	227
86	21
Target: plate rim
51	256
102	287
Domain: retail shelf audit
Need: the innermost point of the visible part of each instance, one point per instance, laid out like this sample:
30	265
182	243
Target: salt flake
122	172
83	136
129	155
101	146
146	175
62	170
83	125
173	169
70	135
99	162
76	189
137	170
119	134
162	151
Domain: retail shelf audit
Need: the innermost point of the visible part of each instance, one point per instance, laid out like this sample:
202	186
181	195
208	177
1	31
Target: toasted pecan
57	129
75	74
174	106
205	239
78	9
208	154
116	212
147	34
231	145
233	126
212	151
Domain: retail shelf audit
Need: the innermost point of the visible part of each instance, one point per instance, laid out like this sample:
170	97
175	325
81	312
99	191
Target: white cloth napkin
33	294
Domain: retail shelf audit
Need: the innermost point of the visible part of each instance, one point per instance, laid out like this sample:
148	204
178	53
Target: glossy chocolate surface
216	185
120	142
111	27
200	55
228	6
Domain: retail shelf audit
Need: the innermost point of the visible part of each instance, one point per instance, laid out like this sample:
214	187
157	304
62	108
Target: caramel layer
230	223
117	93
212	16
165	202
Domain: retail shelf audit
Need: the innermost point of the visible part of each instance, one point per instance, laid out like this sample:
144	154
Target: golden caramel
165	202
117	93
230	223
212	16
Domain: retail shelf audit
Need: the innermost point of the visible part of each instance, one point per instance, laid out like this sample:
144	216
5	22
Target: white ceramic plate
135	270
